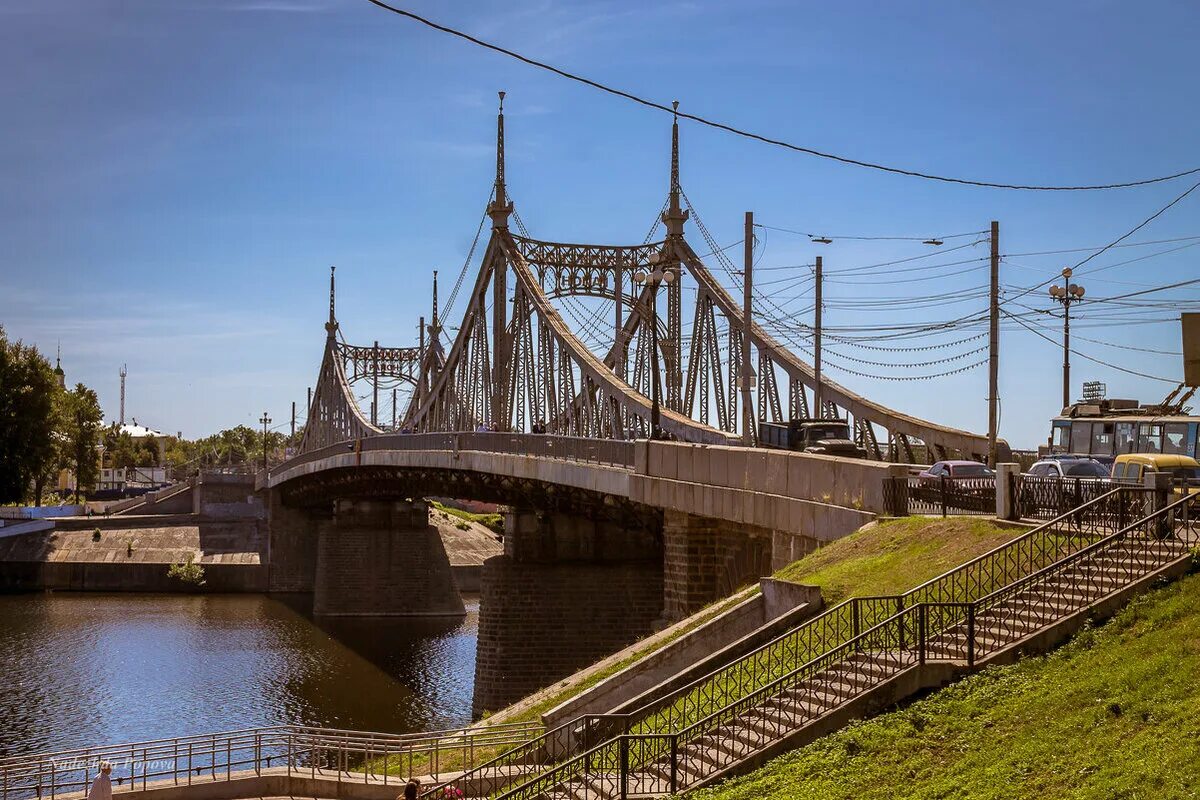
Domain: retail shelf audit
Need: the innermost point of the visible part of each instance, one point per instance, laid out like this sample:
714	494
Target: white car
1069	468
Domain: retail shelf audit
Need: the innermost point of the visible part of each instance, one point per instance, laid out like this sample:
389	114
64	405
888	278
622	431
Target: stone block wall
382	558
291	546
706	559
531	536
540	622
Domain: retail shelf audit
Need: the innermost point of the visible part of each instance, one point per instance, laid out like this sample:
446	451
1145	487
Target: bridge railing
618	453
347	756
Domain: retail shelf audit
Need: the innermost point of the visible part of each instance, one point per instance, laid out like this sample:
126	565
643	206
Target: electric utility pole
748	286
994	348
818	411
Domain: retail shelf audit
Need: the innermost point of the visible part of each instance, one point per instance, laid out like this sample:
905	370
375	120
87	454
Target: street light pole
265	420
1067	295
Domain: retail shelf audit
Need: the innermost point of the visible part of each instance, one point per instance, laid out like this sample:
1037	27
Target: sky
176	177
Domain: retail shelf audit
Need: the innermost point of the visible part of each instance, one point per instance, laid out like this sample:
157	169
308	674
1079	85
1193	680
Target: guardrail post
623	747
855	619
900	612
971	635
942	486
674	763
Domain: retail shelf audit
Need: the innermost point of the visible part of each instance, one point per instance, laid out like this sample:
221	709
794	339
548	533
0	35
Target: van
1133	467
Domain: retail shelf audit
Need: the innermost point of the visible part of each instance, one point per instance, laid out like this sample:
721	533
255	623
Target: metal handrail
917	642
849	604
357	755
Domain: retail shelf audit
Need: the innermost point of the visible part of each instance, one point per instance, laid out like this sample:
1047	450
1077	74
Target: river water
90	669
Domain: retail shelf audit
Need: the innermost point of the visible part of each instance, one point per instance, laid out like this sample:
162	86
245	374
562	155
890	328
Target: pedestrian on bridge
411	790
102	785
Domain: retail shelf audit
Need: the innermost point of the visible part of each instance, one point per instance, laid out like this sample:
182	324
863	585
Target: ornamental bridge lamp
659	275
1067	295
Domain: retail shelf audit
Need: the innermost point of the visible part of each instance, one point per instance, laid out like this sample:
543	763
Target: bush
189	572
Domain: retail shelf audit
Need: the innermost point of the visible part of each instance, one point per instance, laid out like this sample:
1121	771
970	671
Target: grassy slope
1113	714
492	521
894	556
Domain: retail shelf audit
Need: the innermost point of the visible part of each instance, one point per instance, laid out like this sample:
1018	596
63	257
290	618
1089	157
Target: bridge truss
515	363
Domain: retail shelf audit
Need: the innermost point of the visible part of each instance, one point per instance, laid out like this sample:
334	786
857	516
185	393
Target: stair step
702	751
767	730
732	746
597	788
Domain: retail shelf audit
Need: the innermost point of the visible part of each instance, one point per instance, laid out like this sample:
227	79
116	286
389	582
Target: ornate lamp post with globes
653	279
1067	294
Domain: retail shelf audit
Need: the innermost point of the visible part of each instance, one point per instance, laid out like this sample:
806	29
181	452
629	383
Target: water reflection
80	669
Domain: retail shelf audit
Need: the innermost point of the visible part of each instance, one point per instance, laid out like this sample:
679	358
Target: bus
1106	429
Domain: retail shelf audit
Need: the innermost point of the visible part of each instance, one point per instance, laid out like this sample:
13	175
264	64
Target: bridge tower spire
500	207
331	326
674	216
434	327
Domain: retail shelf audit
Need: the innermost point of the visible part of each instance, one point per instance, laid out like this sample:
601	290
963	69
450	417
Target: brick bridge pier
361	557
597	553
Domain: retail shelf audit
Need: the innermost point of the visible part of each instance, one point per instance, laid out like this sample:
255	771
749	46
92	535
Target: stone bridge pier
362	558
568	590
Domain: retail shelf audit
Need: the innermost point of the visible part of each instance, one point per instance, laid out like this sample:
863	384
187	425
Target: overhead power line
1111	244
766	139
922	239
1038	333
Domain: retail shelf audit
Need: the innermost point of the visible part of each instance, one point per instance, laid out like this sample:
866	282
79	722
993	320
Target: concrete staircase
868	653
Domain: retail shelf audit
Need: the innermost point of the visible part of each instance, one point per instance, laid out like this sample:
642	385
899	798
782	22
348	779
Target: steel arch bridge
516	365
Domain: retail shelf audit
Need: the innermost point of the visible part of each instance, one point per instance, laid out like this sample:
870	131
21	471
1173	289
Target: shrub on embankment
1115	713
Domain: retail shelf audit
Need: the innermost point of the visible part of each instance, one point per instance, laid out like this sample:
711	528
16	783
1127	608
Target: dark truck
830	437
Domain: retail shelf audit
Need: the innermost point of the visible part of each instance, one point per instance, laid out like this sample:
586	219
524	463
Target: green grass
493	521
1113	714
894	556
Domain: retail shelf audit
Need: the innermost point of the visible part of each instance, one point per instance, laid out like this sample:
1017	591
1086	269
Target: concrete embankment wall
133	554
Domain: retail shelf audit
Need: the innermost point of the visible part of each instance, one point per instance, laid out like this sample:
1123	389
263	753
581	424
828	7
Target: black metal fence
947	496
1048	497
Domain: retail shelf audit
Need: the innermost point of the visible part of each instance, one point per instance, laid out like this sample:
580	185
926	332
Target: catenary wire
766	139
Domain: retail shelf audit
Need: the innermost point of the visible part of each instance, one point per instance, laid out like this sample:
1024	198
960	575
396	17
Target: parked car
1076	467
1133	467
1107	461
954	470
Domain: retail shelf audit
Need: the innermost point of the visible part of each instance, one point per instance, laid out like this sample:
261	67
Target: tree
119	448
83	420
27	391
58	456
149	452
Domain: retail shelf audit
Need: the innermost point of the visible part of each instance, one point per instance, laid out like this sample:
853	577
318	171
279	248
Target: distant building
140	432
